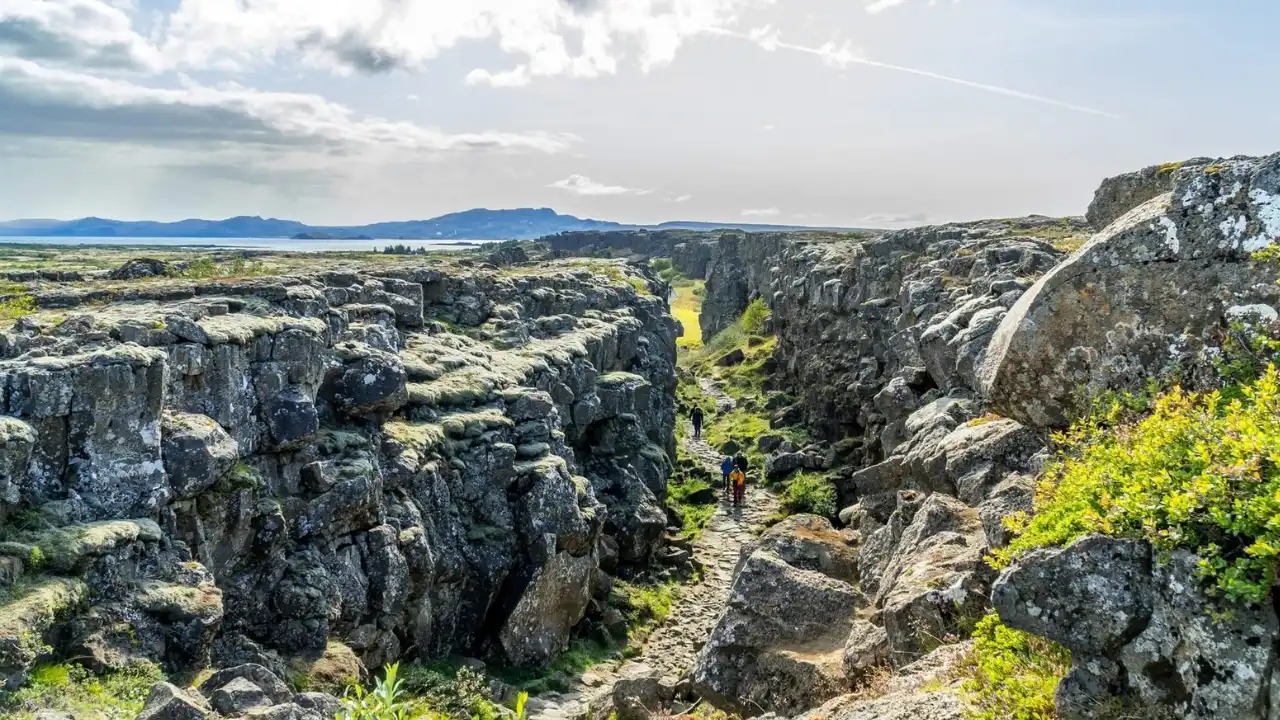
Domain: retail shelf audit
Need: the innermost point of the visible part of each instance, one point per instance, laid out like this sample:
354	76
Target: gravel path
671	650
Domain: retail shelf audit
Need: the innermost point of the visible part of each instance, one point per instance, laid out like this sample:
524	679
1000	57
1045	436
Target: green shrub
660	264
386	701
809	493
1201	472
72	689
754	316
17	307
1010	674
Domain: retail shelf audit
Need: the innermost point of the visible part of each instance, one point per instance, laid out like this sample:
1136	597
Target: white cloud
385	35
682	198
880	6
583	185
769	127
762	212
515	77
75	33
52	102
878	219
412	97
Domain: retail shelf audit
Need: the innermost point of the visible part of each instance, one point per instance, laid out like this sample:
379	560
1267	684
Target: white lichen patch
1266	208
1170	231
1241	312
1233	230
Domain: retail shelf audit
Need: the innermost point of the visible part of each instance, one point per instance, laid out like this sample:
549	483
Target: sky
865	113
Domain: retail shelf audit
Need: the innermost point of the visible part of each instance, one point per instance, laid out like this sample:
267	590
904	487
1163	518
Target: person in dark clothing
696	417
740	462
726	467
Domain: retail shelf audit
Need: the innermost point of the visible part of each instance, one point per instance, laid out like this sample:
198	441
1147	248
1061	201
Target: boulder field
395	460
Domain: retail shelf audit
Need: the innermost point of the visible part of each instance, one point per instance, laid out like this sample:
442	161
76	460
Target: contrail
830	54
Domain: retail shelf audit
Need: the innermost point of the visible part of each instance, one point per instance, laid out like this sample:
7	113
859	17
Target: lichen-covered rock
16	442
866	649
556	599
779	644
1122	193
197	453
1144	298
1091	597
169	702
809	542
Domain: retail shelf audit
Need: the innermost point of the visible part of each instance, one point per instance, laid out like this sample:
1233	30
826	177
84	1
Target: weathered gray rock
809	542
1122	193
1143	298
783	628
866	649
168	702
16	442
273	688
1092	597
239	697
556	599
1193	663
197	452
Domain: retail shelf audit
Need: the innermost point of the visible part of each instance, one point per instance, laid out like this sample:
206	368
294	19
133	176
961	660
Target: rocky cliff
413	460
935	361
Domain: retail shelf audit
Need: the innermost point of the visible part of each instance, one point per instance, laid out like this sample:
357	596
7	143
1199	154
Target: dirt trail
672	648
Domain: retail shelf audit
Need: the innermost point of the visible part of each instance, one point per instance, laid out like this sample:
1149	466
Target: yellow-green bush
1010	674
73	689
754	316
1201	472
809	493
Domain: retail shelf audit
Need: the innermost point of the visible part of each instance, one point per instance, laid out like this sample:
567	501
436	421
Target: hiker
696	417
726	467
739	481
740	462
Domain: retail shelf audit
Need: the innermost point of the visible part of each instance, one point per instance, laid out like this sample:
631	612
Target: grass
73	689
694	517
686	307
1201	473
1010	674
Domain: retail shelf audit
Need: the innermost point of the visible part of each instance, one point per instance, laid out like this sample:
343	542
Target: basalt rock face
405	459
1152	295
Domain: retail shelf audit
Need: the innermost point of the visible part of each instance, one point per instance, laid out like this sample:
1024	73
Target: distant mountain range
478	224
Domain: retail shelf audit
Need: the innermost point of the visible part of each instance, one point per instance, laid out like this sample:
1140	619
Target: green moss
1010	674
333	671
694	517
809	493
1169	167
29	610
65	548
73	689
1199	473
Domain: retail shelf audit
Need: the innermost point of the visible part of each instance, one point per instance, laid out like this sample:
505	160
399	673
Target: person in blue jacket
726	467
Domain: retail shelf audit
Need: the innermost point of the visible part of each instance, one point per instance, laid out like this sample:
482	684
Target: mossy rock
181	602
30	613
335	670
66	548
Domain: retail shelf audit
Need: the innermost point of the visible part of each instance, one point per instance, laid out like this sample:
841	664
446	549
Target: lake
281	244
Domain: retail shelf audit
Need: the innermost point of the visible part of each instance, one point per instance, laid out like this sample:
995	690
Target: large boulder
556	599
1142	631
1122	193
809	542
16	441
1143	298
169	702
936	581
779	645
197	452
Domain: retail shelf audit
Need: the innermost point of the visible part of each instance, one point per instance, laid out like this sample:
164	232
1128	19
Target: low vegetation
810	493
1201	473
17	307
72	689
1010	674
